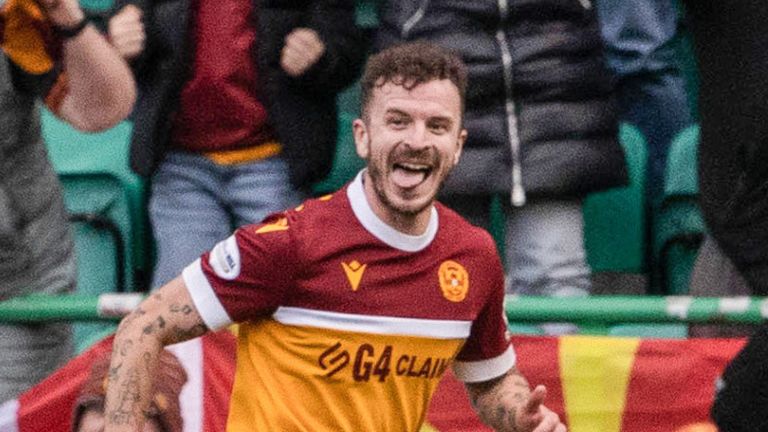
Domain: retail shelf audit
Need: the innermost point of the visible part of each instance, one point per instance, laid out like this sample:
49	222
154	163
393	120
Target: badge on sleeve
225	259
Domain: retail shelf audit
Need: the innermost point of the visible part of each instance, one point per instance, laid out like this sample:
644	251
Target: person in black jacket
730	42
236	116
541	121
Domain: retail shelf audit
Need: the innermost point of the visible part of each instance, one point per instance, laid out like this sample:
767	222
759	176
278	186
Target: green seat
614	221
681	179
98	210
679	227
346	163
102	155
367	14
107	210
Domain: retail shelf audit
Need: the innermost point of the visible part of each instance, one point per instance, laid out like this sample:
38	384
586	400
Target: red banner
595	383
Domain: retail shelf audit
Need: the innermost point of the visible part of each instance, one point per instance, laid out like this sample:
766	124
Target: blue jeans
544	243
195	203
638	38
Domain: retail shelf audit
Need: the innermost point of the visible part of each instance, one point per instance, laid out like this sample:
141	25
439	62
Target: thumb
535	400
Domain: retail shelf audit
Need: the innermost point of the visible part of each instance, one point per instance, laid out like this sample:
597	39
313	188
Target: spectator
236	115
730	43
542	127
353	305
641	54
48	51
164	414
642	57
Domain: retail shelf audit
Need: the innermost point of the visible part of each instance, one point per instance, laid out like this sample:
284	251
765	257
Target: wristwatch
65	33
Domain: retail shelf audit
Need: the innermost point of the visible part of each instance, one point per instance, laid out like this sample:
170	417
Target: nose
419	137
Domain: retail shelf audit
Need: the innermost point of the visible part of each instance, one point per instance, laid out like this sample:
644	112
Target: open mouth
409	175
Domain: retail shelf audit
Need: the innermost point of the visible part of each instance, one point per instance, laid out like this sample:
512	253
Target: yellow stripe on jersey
299	378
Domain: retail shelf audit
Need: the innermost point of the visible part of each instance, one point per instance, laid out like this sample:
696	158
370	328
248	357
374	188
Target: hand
533	416
126	32
62	13
303	48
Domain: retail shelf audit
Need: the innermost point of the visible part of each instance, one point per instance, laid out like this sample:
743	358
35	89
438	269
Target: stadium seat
679	226
366	13
98	210
107	212
346	163
76	156
614	231
96	5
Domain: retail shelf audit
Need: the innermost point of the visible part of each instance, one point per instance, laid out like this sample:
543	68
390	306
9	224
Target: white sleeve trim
9	416
208	305
484	370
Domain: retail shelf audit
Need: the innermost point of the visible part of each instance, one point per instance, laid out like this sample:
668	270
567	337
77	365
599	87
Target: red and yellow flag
596	384
609	384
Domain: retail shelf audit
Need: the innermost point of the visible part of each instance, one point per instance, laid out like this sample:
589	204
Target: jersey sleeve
244	277
487	353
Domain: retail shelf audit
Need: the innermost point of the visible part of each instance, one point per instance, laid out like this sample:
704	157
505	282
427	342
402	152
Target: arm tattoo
125	347
177	308
128	396
152	327
496	400
182	334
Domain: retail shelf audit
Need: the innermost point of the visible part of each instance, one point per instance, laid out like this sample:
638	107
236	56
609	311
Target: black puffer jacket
302	110
539	99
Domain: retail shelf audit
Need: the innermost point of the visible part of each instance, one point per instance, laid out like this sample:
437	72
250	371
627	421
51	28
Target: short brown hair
165	407
409	65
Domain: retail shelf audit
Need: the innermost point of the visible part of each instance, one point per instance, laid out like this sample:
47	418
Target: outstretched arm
166	317
507	404
101	89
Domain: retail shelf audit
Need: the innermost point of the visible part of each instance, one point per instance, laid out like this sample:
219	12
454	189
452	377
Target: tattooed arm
507	404
166	317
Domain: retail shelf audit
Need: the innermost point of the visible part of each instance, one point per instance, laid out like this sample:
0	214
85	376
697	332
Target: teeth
414	167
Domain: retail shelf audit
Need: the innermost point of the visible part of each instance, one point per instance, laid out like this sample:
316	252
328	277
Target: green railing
595	310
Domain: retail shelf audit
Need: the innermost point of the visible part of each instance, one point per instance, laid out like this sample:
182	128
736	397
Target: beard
379	181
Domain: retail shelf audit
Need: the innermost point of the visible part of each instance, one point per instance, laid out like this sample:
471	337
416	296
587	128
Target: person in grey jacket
86	83
541	121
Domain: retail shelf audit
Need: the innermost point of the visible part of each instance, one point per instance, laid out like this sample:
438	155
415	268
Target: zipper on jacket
414	19
517	194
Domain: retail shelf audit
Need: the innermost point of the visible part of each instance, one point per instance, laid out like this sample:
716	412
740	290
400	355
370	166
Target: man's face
93	421
411	140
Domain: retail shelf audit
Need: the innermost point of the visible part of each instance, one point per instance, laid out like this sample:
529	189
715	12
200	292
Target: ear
362	141
459	146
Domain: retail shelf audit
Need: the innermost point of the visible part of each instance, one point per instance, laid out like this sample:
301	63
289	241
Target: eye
439	127
397	121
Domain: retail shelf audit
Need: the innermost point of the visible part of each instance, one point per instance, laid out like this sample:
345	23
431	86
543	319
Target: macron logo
354	272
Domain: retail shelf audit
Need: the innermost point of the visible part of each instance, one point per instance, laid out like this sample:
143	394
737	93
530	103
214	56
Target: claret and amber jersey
348	324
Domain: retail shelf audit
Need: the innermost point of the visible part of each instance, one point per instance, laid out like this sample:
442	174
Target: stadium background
597	383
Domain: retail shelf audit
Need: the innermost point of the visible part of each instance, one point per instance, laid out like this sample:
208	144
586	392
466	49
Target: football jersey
348	324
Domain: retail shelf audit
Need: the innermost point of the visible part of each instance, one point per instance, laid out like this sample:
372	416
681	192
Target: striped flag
209	362
594	383
609	384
